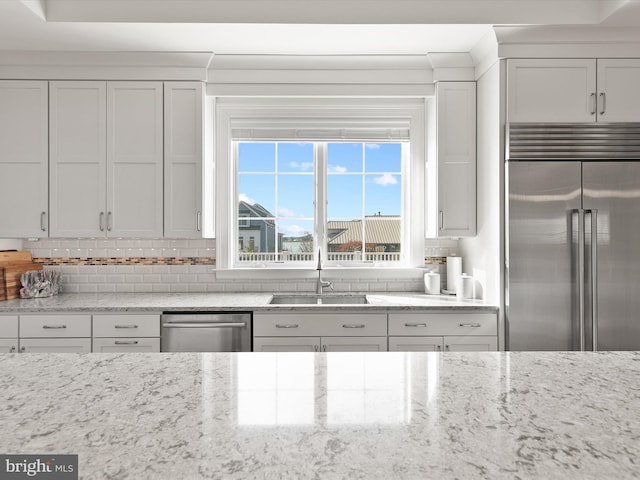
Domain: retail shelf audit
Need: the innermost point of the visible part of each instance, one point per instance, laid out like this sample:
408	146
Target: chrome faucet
321	284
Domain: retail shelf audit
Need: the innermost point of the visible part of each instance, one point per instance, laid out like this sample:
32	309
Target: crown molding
450	66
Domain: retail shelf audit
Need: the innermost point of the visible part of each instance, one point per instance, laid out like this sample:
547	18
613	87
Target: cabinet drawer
55	345
421	324
8	326
53	326
127	325
320	324
114	345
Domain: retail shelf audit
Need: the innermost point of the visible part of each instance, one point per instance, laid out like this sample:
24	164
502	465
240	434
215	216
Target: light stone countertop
131	302
190	416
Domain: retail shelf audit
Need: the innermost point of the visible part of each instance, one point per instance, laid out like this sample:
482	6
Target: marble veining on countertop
224	301
391	415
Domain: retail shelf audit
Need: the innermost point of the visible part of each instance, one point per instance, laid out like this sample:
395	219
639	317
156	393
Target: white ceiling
287	26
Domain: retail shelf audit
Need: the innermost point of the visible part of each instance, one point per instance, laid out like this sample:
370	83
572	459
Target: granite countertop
337	415
69	302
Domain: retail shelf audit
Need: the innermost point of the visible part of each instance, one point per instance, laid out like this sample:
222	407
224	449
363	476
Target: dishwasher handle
205	325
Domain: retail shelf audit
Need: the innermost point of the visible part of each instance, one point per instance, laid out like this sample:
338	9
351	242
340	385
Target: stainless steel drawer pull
353	325
469	325
43	226
415	325
120	342
205	325
126	326
286	325
54	327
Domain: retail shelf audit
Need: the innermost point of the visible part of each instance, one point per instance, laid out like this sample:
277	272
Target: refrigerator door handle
581	305
594	279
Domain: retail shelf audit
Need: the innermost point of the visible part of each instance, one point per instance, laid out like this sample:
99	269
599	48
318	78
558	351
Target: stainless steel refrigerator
573	237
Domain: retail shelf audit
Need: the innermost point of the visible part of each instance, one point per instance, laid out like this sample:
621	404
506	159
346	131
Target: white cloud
373	146
293	229
386	179
285	212
304	166
337	169
246	199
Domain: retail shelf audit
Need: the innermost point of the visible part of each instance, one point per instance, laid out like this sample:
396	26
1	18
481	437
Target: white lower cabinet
126	332
8	333
55	333
313	332
443	332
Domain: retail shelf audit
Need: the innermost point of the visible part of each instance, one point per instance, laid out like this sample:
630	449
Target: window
279	182
344	177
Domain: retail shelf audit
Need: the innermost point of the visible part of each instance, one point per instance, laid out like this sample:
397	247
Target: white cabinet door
286	344
134	159
618	91
8	326
77	122
126	345
415	344
354	344
24	159
55	345
9	345
451	168
184	211
471	343
551	90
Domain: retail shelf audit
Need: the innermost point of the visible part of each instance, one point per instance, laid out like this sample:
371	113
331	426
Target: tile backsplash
179	265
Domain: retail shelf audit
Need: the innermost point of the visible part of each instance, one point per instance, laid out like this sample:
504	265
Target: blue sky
293	203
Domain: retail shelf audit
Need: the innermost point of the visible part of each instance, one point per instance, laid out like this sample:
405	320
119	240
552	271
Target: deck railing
309	257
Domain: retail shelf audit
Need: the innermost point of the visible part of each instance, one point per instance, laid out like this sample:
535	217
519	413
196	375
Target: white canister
465	287
432	283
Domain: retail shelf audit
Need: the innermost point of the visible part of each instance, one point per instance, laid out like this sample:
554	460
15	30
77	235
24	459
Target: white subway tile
142	288
197	288
179	288
124	287
88	288
106	288
153	278
161	288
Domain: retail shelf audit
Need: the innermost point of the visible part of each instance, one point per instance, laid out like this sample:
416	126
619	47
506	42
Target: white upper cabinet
573	90
134	159
106	159
78	157
618	90
451	166
184	210
24	169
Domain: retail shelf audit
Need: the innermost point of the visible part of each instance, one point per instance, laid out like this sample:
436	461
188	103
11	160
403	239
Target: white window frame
313	115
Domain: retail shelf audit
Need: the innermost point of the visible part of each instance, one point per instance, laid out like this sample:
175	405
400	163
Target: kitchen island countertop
337	415
131	302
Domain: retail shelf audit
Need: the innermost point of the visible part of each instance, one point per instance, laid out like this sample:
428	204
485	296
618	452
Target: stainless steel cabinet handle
109	221
102	221
54	327
315	348
603	109
469	325
43	227
122	342
353	325
439	347
23	349
415	325
441	219
199	221
286	325
126	326
446	347
581	278
324	348
594	279
12	349
593	101
205	325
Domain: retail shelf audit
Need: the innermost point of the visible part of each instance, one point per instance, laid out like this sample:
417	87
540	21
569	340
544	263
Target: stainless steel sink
313	299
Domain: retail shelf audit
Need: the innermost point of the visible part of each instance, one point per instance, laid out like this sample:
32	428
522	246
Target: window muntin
357	216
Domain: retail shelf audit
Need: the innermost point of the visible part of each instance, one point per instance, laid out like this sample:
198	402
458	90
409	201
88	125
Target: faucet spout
320	285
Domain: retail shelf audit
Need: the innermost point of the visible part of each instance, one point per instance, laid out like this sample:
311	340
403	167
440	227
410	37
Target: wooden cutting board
14	264
3	292
15	256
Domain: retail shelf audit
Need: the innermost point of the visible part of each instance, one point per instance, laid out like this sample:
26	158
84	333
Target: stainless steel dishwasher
206	332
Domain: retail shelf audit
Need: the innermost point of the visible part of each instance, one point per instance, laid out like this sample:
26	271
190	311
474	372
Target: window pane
383	194
383	157
257	194
296	240
295	157
382	238
344	196
344	157
256	157
295	196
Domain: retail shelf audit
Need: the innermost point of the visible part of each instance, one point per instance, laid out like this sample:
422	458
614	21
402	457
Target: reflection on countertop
338	415
88	302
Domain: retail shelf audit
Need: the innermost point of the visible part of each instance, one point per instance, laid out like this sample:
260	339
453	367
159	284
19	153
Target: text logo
49	467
